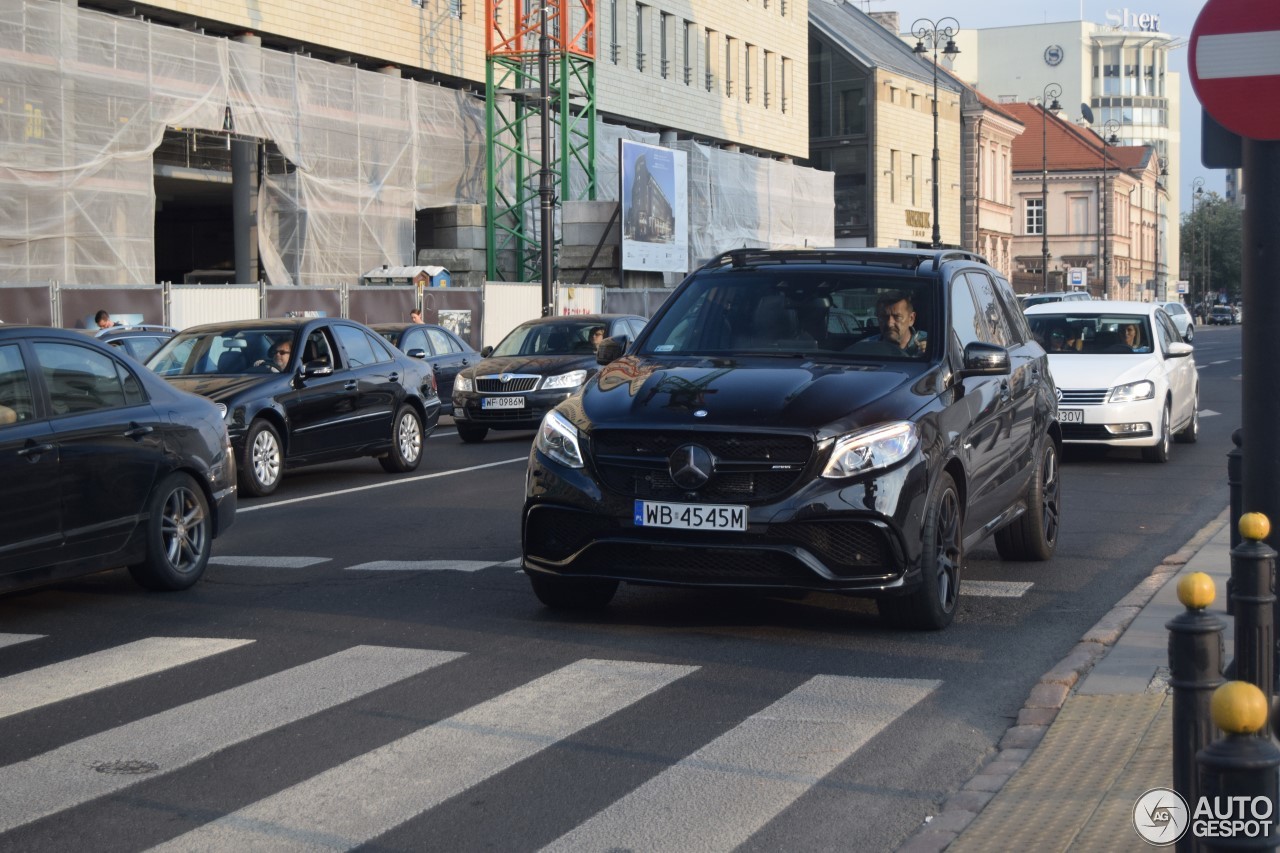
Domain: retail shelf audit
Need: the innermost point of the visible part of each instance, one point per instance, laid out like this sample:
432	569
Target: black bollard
1195	671
1253	566
1237	780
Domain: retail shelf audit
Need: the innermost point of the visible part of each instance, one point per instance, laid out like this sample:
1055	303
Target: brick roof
1066	146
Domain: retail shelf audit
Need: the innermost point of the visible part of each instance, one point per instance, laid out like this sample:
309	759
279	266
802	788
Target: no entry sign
1235	65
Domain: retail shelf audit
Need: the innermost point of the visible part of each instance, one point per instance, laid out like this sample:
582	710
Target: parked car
534	368
1029	299
103	464
740	442
138	341
1136	393
297	391
442	349
1221	315
1182	319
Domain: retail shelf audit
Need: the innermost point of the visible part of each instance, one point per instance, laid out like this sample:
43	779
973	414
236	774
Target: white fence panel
579	299
507	304
213	303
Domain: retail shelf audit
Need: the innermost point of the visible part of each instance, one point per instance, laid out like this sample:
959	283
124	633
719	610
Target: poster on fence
655	207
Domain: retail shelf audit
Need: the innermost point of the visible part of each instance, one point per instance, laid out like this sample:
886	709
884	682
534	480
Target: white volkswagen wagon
1124	375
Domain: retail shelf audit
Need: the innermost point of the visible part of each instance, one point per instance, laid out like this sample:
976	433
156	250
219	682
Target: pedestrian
415	316
103	319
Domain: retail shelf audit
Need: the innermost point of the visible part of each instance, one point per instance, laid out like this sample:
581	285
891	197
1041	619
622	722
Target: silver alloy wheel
409	437
266	458
183	531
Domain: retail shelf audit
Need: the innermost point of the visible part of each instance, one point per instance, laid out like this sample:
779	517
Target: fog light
1129	429
459	412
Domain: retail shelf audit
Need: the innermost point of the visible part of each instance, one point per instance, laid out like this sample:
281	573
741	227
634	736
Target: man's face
280	355
896	321
104	323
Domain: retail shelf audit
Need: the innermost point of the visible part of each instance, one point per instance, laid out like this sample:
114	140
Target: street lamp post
1197	194
1109	128
936	31
1053	90
1161	179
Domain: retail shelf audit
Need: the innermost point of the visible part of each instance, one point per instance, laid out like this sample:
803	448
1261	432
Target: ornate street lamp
1109	128
1197	195
1053	90
1161	181
936	32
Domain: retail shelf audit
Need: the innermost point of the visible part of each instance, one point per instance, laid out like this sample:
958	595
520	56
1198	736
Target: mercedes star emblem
691	466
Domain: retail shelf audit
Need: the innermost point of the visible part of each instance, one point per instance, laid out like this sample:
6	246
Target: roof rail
908	259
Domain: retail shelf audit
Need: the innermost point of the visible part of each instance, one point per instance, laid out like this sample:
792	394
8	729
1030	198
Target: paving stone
1036	716
951	821
970	801
1109	628
1023	737
1077	662
928	842
987	782
1048	696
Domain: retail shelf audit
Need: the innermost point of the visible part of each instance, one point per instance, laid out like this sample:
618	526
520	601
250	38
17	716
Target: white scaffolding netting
86	98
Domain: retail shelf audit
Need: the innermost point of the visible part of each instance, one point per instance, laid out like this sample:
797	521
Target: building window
708	62
782	8
641	9
784	84
768	63
895	163
730	54
1035	216
914	180
690	51
750	62
455	9
664	34
1080	216
614	46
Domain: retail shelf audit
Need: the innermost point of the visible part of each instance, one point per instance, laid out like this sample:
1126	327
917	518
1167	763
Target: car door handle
349	386
395	377
35	450
136	431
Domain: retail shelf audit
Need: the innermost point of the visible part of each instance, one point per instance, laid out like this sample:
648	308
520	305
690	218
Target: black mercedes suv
839	420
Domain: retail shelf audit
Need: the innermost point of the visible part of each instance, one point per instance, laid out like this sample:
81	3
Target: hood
1079	372
220	389
542	365
753	393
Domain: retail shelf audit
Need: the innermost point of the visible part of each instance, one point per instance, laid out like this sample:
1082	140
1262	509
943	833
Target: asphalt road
365	666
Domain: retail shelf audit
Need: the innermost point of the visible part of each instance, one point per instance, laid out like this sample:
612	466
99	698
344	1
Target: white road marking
385	484
75	677
270	562
422	566
371	794
14	639
995	589
1223	361
718	797
1209	413
81	771
517	563
442	434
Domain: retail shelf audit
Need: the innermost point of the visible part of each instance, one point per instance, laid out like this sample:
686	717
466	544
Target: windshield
566	337
225	352
1092	334
816	313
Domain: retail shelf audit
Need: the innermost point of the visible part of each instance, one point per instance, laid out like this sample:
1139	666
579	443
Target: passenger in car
897	318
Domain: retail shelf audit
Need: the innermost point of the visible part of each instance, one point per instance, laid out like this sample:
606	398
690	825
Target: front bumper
858	536
1114	424
468	407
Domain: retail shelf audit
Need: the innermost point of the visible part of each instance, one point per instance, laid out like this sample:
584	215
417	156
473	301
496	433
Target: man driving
897	318
278	357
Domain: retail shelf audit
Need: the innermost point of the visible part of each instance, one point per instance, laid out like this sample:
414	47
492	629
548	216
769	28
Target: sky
1176	18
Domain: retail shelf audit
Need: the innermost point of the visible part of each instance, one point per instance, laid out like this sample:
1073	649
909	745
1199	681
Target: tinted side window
1016	320
381	352
414	339
80	379
992	327
964	314
319	348
359	352
441	342
16	402
1166	331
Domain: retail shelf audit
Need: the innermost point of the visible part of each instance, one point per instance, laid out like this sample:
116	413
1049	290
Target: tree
1212	240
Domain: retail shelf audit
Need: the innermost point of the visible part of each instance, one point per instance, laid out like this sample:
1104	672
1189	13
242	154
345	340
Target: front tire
179	536
470	434
573	593
932	605
1160	451
1034	535
1190	434
406	443
262	463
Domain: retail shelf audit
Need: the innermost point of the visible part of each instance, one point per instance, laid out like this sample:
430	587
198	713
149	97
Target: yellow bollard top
1196	591
1254	526
1238	707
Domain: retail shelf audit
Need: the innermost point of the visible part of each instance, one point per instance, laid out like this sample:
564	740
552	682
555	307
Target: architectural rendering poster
655	207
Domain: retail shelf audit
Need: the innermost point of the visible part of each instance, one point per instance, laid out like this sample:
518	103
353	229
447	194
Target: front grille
514	385
505	415
1083	397
749	467
556	534
697	564
847	548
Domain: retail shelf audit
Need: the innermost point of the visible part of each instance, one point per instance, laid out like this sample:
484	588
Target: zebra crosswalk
715	798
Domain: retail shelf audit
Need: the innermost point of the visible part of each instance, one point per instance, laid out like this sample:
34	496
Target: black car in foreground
297	391
534	368
752	438
103	464
442	349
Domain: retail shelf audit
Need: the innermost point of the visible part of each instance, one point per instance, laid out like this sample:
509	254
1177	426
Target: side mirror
611	349
1179	349
982	359
317	368
417	352
486	352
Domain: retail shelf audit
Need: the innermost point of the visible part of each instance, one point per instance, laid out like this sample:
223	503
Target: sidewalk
1095	733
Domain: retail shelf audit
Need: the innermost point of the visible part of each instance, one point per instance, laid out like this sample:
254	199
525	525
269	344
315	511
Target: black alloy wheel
1034	535
932	605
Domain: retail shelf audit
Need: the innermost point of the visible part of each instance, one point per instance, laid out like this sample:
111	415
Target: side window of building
81	379
992	327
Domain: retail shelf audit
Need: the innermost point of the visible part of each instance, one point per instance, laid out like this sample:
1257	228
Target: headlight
867	450
558	439
222	410
572	379
462	383
1143	390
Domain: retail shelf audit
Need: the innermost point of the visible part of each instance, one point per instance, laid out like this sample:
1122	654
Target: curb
1045	701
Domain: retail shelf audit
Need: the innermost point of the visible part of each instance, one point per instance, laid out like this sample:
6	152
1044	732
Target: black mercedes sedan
442	349
103	464
754	435
301	390
532	370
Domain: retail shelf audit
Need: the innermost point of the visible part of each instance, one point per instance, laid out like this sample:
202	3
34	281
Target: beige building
988	199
